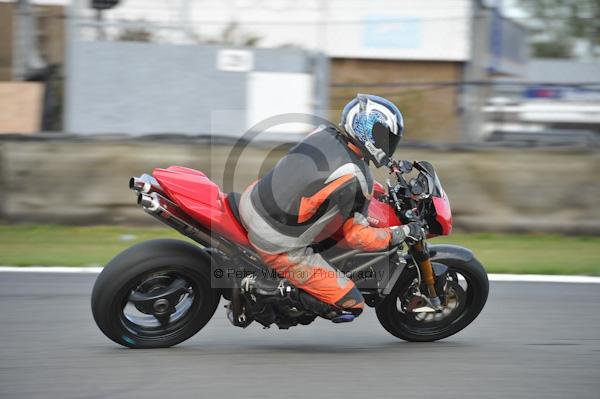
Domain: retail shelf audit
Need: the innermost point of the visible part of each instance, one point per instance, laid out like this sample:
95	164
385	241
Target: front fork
421	256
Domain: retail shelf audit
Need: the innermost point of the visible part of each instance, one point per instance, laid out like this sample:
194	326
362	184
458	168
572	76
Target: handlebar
409	211
407	206
401	166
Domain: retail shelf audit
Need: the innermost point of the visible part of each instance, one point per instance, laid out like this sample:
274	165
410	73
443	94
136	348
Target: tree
552	49
558	24
233	35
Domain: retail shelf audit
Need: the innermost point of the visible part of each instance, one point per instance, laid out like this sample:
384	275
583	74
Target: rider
323	185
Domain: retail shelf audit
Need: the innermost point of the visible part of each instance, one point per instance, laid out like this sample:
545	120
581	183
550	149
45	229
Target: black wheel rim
141	322
463	290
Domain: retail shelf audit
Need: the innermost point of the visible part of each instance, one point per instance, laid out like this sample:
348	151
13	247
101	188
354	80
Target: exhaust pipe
144	184
148	202
169	213
137	184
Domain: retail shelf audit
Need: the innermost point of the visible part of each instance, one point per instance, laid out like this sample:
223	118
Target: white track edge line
50	269
544	278
528	278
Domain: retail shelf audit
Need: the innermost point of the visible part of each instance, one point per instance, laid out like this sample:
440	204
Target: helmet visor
384	138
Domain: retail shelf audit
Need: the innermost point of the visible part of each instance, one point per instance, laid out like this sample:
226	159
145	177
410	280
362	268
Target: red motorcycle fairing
381	214
443	214
202	199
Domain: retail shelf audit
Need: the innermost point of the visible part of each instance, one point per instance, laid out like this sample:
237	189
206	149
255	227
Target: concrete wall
431	113
490	190
146	88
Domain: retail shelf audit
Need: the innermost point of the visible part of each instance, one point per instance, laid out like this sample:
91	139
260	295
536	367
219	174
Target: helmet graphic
375	125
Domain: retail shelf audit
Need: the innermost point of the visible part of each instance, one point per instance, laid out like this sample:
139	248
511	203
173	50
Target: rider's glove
414	232
410	233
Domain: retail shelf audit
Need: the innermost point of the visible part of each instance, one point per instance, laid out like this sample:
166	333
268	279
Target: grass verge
50	245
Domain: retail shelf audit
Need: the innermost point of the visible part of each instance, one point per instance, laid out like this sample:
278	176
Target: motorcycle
161	292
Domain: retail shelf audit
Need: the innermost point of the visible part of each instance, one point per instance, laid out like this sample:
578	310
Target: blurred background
503	97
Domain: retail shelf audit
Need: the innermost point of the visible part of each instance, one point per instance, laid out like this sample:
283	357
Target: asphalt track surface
539	340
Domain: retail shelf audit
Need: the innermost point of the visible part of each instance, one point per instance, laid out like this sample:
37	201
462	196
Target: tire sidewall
143	259
387	312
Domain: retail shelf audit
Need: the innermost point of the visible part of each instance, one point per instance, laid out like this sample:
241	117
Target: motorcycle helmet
375	125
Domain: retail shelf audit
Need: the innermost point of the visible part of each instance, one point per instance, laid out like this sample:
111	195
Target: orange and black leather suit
320	186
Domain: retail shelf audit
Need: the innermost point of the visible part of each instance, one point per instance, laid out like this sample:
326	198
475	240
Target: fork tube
426	268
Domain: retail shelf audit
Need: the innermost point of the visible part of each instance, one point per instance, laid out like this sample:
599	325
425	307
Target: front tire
470	295
148	270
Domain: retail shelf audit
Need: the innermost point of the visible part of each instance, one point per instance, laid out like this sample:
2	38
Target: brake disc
455	298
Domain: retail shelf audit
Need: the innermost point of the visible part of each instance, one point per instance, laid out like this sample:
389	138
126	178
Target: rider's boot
261	288
327	311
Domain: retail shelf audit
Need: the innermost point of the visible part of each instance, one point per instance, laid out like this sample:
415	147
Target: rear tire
152	265
407	327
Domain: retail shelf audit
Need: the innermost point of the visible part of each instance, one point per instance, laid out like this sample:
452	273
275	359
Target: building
31	56
434	58
417	53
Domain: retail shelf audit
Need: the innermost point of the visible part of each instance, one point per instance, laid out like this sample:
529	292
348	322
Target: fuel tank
381	214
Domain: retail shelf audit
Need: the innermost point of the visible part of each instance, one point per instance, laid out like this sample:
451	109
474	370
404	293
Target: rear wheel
406	316
155	294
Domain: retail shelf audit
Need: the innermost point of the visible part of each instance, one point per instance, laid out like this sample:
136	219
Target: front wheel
404	316
155	294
